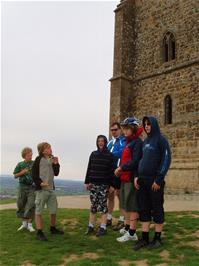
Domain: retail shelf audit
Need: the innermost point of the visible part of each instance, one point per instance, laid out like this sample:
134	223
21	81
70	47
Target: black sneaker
156	243
118	226
101	232
40	236
109	222
89	231
140	244
56	231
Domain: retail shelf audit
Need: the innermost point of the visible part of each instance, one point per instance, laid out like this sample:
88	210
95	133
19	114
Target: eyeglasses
147	124
114	129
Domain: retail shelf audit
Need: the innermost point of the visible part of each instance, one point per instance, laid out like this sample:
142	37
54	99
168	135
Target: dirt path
187	202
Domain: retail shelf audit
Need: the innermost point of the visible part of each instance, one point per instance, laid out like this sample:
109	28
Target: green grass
74	248
7	201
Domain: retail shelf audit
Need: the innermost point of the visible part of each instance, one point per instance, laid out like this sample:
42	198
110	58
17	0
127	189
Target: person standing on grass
99	181
45	167
150	183
127	171
115	146
25	198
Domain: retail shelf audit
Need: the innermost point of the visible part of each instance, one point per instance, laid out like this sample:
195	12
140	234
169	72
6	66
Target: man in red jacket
127	171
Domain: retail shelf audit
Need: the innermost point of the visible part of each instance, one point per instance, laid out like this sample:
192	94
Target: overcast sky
57	58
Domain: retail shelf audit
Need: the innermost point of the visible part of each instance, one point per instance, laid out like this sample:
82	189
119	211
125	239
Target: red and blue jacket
131	155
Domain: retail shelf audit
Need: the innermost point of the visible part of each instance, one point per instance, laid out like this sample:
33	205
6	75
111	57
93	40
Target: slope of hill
8	187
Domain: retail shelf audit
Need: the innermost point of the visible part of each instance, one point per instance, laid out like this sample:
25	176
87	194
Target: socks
132	232
145	236
24	223
90	224
127	227
103	226
121	218
157	235
109	216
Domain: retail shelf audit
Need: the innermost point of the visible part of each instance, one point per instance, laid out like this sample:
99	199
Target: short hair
25	151
133	128
116	124
41	147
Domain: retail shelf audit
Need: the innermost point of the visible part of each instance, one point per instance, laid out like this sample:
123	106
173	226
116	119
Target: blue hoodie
116	146
156	157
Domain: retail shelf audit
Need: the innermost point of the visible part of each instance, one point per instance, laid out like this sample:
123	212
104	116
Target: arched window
167	110
169	47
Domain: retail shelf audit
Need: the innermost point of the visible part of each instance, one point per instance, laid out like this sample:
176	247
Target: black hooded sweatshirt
156	157
100	169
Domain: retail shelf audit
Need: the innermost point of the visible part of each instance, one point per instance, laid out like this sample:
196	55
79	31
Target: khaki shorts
45	197
128	197
26	202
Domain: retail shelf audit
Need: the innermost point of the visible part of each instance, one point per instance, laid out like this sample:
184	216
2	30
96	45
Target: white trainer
126	237
123	231
30	228
23	226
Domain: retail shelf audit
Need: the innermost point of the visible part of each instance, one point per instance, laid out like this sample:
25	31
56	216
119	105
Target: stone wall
141	82
153	19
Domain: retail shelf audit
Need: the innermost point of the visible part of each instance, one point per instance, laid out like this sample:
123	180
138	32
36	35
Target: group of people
131	167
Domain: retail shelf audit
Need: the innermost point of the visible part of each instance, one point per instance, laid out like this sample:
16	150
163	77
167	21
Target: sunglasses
114	129
147	124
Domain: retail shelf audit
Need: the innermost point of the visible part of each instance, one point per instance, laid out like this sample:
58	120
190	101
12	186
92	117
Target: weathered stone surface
141	79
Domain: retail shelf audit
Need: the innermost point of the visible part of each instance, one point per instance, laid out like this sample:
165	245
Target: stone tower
156	72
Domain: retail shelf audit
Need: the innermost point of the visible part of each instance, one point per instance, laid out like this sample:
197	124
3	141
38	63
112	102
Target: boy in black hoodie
150	183
99	179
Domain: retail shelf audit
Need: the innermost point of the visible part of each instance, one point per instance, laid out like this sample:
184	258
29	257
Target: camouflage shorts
26	202
98	198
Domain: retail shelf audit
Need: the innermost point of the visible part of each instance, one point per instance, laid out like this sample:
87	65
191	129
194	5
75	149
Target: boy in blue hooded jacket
150	183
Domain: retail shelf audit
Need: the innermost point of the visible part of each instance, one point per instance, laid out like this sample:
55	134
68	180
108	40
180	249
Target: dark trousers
150	203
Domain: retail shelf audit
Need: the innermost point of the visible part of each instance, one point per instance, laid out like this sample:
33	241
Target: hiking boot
40	236
140	244
109	222
156	243
126	237
118	226
101	232
89	231
56	231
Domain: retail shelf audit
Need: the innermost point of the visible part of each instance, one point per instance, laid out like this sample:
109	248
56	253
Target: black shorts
150	203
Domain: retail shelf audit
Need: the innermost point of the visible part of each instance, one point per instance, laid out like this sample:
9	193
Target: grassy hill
181	243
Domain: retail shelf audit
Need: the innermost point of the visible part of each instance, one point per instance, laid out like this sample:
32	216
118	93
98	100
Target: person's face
28	157
115	131
147	127
101	143
47	151
127	131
